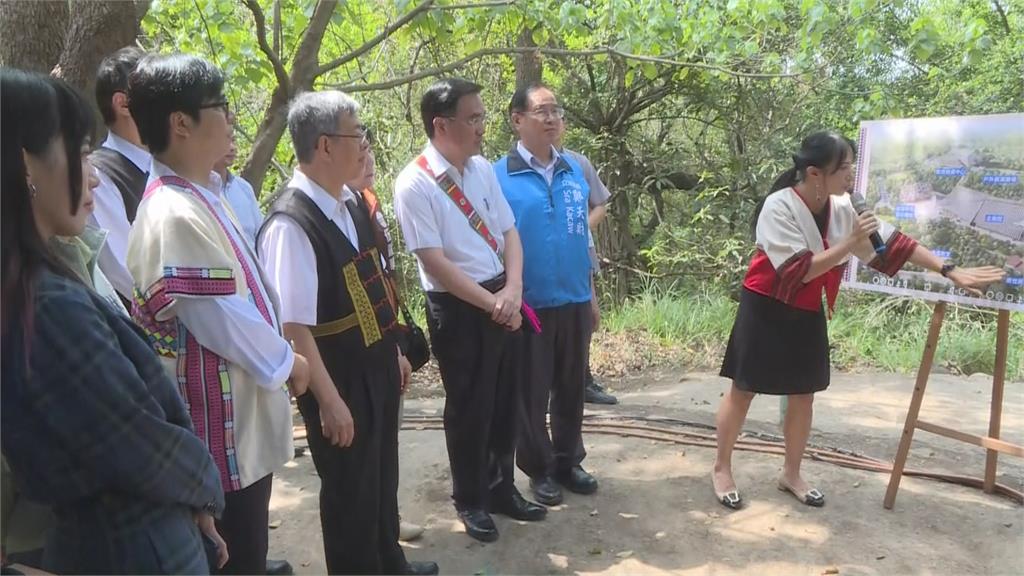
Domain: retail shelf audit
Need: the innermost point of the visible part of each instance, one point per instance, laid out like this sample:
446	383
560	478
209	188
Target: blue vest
553	227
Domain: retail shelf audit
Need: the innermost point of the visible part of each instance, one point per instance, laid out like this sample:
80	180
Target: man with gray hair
318	248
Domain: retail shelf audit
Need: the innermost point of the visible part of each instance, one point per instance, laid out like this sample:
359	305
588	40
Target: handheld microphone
860	206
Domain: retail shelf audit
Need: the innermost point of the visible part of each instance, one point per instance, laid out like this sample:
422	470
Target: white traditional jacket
787	238
180	248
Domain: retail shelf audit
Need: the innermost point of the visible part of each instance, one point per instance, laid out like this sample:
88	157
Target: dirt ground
655	512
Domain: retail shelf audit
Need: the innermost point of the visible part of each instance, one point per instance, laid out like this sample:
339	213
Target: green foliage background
689	109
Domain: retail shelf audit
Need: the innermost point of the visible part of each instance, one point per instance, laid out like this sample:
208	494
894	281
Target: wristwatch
946	269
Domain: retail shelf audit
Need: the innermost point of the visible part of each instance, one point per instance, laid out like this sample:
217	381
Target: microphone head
859	204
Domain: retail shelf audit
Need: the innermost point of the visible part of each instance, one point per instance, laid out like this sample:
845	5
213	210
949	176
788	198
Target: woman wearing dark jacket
91	425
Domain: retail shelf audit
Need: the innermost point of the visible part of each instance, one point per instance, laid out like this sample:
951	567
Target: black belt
492	286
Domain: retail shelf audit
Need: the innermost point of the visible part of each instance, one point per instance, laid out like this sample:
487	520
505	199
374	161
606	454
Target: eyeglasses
556	113
475	121
360	134
222	104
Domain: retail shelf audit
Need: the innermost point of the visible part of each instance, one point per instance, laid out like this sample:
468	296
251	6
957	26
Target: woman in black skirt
805	231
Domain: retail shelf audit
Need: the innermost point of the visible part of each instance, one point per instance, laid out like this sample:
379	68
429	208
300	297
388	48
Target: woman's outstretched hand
970	279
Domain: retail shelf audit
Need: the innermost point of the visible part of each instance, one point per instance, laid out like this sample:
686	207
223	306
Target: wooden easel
991	443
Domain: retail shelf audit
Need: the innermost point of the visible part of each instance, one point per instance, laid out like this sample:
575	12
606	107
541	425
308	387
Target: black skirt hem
777	349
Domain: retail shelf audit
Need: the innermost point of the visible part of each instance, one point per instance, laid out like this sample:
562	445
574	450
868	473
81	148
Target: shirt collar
532	160
438	163
158	169
327	204
139	156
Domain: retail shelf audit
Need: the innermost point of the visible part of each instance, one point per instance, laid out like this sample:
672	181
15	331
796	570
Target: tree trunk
32	33
98	28
529	66
614	239
303	74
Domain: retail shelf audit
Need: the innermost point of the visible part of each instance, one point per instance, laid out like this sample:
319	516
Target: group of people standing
155	324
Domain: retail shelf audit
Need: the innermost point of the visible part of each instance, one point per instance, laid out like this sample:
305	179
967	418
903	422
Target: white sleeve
253	205
234	329
778	234
110	215
290	264
415	216
116	272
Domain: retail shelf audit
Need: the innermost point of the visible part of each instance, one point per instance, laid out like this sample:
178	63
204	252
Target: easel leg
923	371
998	379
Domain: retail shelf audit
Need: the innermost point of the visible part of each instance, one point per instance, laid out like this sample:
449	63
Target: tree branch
277	27
1002	16
674	117
209	37
402	80
372	42
261	37
508	50
481	4
281	170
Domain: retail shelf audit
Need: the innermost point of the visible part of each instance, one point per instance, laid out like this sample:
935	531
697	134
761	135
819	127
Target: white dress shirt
430	219
231	326
548	170
242	199
287	254
110	215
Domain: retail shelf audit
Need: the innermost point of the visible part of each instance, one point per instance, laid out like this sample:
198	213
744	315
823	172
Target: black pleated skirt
777	349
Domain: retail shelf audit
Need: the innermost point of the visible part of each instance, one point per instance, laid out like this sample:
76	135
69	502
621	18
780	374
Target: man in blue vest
549	195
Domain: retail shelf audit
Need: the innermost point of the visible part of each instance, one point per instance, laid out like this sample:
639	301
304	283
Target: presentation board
957	185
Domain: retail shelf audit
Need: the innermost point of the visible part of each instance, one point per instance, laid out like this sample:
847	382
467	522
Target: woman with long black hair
805	232
91	425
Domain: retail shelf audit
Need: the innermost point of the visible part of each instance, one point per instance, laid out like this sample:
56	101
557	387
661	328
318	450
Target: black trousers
243	526
359	484
556	361
480	368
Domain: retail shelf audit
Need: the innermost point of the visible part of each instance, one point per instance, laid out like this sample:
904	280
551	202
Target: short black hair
442	99
112	77
521	97
163	84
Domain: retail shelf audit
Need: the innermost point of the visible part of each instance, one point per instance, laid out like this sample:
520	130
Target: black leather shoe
577	480
594	394
425	568
518	508
479	524
279	568
546	491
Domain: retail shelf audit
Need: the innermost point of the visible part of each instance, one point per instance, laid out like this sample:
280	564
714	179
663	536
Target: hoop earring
817	192
32	190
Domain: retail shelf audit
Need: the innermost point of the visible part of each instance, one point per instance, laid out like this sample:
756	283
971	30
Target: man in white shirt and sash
320	253
456	221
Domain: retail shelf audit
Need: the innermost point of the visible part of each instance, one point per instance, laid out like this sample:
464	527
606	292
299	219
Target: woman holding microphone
805	232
